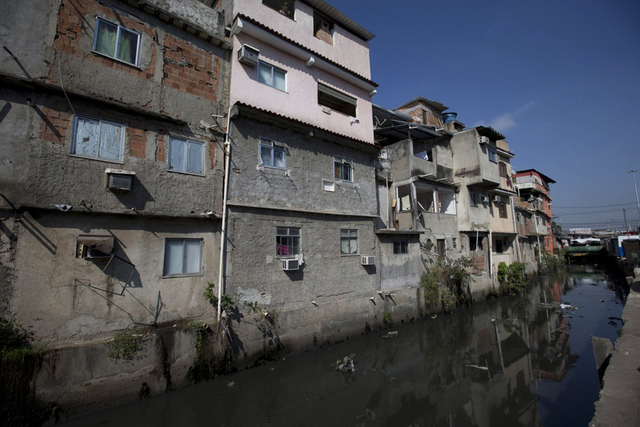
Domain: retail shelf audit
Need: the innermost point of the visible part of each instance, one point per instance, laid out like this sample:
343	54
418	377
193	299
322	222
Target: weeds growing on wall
512	278
551	262
20	363
127	346
447	282
205	363
387	318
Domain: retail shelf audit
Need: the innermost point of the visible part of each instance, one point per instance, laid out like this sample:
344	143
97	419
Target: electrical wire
592	207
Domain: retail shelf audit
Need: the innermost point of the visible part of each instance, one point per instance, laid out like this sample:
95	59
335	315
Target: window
475	243
499	248
447	202
272	76
520	219
271	155
284	7
97	138
287	241
343	169
473	198
182	256
323	28
186	156
492	154
116	42
400	247
441	246
348	242
337	101
503	169
502	210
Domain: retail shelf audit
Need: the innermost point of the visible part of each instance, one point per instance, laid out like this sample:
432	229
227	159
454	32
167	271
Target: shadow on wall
137	198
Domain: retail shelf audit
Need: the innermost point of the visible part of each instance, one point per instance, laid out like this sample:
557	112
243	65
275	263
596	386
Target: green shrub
512	278
127	345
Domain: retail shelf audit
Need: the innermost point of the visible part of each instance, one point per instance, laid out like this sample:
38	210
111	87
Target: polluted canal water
522	360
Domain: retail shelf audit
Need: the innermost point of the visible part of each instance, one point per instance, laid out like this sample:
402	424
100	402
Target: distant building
534	192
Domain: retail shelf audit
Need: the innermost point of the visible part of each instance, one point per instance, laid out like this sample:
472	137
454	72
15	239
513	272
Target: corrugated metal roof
490	132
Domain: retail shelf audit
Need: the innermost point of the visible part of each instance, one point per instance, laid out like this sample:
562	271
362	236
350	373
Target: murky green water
509	362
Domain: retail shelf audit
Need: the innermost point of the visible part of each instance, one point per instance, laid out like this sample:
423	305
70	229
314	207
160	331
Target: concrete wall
347	50
470	159
300	101
64	298
399	270
309	161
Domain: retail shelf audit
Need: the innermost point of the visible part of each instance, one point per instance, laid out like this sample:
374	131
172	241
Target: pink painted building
533	189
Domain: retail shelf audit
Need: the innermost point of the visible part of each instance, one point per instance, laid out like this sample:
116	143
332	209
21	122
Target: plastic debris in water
346	364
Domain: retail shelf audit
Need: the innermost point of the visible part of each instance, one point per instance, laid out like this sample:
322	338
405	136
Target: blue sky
560	78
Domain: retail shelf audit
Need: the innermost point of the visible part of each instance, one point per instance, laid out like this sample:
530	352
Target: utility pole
624	213
635	184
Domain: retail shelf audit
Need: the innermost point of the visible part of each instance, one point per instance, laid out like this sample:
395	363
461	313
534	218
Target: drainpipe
515	228
491	255
223	231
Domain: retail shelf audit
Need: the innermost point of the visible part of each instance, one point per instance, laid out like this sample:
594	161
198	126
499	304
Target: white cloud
507	120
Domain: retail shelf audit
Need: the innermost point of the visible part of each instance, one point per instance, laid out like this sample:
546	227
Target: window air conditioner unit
119	180
497	199
248	55
94	247
484	199
367	260
290	264
484	140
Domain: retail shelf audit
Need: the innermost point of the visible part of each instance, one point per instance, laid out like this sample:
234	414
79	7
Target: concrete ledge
619	403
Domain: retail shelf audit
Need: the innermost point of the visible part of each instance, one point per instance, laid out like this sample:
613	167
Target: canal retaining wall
619	403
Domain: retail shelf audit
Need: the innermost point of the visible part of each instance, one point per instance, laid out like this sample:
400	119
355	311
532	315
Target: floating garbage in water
230	383
390	334
566	306
346	364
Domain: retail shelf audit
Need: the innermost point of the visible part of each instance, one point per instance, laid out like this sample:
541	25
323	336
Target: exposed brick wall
77	19
190	69
55	122
186	67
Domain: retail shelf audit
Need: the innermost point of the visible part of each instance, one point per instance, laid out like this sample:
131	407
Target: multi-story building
480	160
533	189
110	180
415	182
302	195
504	248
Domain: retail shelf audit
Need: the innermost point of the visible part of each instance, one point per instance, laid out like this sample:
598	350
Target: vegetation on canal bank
20	363
447	284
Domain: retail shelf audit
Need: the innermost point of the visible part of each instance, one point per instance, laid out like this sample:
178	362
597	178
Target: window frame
186	142
502	210
117	46
503	169
337	96
273	68
272	7
492	154
473	198
184	254
401	247
296	249
74	137
270	143
337	160
349	237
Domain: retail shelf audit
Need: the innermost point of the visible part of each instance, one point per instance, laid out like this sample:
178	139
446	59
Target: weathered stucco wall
309	161
300	100
347	49
67	298
399	270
